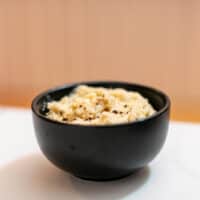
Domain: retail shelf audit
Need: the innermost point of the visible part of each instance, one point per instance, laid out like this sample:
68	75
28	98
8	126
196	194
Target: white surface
26	175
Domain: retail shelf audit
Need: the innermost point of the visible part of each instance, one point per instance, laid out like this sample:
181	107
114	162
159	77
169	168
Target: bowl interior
156	98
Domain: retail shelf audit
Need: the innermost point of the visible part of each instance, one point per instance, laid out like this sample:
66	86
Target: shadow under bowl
102	152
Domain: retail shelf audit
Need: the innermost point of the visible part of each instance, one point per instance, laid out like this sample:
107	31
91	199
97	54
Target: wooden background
44	43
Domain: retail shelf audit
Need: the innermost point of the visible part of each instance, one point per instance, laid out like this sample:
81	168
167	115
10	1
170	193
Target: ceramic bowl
101	152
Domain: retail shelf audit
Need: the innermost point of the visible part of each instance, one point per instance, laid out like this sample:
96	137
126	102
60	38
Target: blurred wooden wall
44	43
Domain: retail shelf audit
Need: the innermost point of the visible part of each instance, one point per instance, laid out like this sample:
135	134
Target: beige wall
49	42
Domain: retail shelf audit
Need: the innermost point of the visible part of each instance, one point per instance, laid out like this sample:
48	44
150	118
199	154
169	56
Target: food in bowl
88	105
104	152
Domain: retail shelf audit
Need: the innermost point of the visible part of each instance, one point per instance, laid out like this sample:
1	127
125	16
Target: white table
26	175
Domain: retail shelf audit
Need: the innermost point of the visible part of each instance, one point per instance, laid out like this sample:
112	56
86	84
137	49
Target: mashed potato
100	106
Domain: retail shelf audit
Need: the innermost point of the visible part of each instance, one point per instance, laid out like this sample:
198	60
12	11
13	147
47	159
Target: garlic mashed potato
100	106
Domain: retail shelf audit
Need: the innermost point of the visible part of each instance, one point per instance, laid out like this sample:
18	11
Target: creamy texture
100	106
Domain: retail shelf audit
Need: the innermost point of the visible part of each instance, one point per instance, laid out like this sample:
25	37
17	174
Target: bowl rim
165	108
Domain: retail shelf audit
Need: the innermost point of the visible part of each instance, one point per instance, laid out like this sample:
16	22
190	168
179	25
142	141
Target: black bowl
101	152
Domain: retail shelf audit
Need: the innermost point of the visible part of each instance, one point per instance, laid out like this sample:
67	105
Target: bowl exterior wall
101	153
